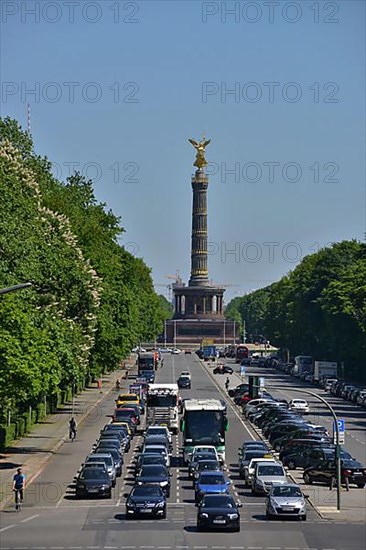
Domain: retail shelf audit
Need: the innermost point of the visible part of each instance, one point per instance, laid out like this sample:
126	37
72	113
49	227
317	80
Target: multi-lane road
53	520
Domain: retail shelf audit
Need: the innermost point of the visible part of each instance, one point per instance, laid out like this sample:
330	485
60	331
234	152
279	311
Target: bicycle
72	434
18	499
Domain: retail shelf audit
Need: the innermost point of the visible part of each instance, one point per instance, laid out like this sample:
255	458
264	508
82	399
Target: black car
159	439
109	439
311	457
113	428
223	369
203	465
148	459
149	500
218	512
93	482
352	471
184	383
156	474
241	388
197	458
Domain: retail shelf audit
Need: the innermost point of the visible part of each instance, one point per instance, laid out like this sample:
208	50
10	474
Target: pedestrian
18	487
72	428
227	383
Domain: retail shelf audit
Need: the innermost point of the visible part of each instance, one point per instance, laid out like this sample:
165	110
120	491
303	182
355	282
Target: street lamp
338	448
14	288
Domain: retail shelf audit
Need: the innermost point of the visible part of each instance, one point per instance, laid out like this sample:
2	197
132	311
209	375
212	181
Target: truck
241	352
162	406
209	353
146	362
303	363
325	369
204	422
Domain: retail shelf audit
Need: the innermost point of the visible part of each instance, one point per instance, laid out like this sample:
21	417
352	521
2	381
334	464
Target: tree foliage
318	309
91	300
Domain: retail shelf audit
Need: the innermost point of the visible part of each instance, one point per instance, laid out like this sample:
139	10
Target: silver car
107	459
286	501
266	475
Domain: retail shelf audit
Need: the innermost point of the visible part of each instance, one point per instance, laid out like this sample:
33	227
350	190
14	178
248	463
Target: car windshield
146	460
284	491
153	470
259	453
147	491
94	473
212	479
102	450
270	471
155	450
211	501
201	456
156	431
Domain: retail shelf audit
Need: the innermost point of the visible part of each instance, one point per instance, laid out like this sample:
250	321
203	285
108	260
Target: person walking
72	428
18	488
227	383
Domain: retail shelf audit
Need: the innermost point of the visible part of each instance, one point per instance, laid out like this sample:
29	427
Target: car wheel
236	529
277	447
360	485
303	518
269	516
291	465
163	516
109	495
307	479
114	483
347	483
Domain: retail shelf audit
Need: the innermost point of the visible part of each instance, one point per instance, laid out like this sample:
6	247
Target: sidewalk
33	451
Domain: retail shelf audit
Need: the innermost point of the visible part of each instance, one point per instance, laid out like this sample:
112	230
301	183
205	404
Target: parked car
311	457
218	512
156	474
286	500
93	481
149	500
300	406
352	471
241	388
212	483
265	475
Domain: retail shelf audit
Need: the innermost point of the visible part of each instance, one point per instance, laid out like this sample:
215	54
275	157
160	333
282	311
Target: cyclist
18	488
72	428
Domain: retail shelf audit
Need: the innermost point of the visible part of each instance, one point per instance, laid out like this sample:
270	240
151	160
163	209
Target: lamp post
338	448
14	288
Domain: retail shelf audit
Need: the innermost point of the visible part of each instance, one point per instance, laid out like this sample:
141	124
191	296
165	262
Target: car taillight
346	472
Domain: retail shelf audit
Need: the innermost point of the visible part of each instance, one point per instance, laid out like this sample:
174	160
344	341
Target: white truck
324	369
162	406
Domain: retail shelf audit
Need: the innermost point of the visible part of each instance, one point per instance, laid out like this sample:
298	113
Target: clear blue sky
171	64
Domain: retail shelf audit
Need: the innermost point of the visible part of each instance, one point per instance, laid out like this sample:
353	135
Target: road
52	520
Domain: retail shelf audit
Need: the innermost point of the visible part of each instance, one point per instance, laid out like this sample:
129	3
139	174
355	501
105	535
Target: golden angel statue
200	147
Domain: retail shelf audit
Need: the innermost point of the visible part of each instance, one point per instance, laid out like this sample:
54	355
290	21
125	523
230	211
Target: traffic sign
341	429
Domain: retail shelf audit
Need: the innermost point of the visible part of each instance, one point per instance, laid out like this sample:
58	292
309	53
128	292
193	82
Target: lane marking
30	518
6	528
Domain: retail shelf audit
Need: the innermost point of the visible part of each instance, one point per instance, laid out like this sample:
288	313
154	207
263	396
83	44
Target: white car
176	351
299	405
155	429
186	373
249	470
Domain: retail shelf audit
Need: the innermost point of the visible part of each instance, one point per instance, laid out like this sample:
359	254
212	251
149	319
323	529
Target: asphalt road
53	520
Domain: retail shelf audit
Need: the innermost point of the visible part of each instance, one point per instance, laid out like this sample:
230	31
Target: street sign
242	371
342	431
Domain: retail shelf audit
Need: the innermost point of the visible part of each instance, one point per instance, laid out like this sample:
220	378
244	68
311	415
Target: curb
59	444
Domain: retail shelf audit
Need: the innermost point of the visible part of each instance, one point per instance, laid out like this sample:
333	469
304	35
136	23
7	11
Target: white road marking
30	518
6	528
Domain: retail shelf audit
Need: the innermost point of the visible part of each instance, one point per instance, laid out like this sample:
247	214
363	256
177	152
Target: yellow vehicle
127	398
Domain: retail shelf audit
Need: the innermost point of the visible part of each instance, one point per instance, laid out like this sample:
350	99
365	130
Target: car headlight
130	504
232	516
203	515
160	504
163	483
140	483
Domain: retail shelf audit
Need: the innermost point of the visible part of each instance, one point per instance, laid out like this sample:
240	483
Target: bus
146	365
242	352
303	363
204	422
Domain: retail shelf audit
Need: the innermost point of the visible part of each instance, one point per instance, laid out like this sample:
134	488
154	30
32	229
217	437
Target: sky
116	89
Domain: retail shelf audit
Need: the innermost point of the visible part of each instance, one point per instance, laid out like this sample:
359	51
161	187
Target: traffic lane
354	418
102	528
